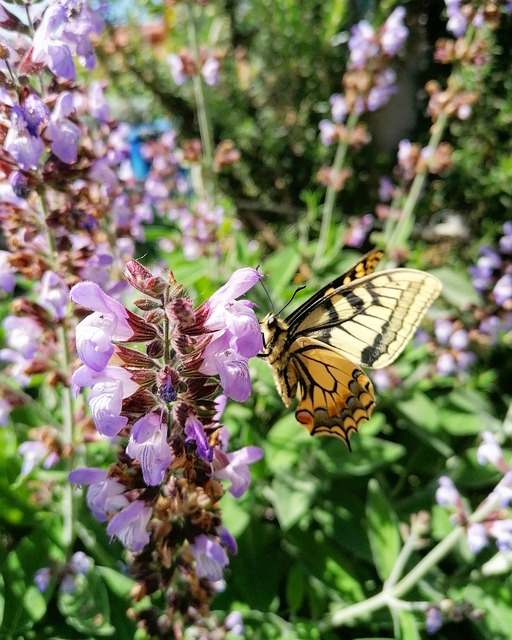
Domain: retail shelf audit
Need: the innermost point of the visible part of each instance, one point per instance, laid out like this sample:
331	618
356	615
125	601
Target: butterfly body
360	319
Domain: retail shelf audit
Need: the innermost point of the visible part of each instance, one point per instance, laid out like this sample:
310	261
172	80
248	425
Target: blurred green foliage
320	528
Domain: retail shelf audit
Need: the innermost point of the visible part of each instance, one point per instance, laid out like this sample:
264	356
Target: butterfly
360	319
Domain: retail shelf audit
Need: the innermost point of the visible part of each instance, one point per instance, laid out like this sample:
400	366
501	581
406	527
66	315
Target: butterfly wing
335	396
364	267
369	320
360	318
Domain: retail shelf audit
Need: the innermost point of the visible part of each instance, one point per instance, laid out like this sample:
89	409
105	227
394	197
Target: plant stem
330	194
389	594
67	431
202	110
398	236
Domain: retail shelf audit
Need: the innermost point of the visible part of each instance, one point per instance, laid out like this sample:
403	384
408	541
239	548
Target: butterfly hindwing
335	396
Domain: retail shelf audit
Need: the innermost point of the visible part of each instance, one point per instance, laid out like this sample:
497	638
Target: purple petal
130	525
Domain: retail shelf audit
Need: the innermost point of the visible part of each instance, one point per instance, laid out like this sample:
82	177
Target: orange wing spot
305	418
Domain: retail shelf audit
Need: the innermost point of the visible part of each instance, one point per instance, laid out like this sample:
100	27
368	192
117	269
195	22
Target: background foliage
320	528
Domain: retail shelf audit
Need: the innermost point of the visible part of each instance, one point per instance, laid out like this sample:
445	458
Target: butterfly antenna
266	291
302	286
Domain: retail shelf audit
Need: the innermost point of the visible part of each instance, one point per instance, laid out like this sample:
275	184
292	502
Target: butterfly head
273	330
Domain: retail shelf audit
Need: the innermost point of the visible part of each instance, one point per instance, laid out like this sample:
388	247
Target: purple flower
394	32
234	467
62	132
503	490
177	68
506	240
95	333
443	329
98	106
5	411
447	494
227	540
104	496
339	109
457	21
7	279
19	184
380	94
47	48
130	525
42	579
503	291
362	44
54	294
80	563
210	71
358	230
386	189
194	431
328	132
502	531
63	32
68	584
21	142
234	623
210	557
33	452
459	339
148	444
434	620
490	451
22	335
446	365
477	537
105	401
236	335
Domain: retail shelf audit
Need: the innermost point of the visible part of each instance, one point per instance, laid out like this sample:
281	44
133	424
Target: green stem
202	111
403	557
389	594
67	431
330	194
68	437
398	236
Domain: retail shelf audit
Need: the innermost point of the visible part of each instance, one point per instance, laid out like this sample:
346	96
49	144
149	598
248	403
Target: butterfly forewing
364	267
370	320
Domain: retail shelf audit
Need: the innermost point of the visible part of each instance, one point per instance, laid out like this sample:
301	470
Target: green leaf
295	588
87	609
409	628
117	582
25	604
280	268
383	532
461	424
2	598
284	443
374	454
235	516
291	498
420	410
457	288
494	597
